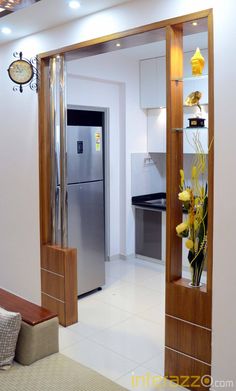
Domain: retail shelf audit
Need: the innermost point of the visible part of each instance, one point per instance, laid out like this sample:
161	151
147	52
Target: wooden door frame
44	145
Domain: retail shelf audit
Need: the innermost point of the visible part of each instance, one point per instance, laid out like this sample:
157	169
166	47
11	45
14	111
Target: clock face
21	72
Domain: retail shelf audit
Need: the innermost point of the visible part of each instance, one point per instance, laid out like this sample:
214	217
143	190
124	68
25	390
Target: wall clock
23	72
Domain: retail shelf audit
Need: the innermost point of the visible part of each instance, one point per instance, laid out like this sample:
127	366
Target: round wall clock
23	72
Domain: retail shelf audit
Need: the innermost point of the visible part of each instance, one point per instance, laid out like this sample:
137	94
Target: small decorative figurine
198	63
193	100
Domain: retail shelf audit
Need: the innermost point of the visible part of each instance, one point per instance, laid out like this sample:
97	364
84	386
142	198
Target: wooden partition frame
188	310
188	333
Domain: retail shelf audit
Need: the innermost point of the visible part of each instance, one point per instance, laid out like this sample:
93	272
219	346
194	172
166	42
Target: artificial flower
182	229
189	244
181	178
184	196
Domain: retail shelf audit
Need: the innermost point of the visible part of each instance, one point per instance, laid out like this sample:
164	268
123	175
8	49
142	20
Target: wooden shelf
185	283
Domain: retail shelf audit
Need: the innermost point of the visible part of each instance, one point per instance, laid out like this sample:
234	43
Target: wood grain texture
211	151
128	33
186	370
174	64
189	339
182	301
71	289
53	260
56	306
44	154
53	284
187	303
30	313
60	291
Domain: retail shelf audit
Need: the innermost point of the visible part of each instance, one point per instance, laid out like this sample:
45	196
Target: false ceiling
36	15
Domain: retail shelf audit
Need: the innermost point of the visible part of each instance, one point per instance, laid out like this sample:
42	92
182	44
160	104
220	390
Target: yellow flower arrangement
194	198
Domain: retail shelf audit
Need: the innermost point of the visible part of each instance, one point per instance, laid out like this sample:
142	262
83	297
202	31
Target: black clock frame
33	81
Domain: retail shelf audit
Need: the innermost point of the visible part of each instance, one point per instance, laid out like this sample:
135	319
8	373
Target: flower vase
196	271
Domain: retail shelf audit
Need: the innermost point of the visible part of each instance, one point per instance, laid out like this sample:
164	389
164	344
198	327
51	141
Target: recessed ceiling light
74	4
195	23
118	44
6	30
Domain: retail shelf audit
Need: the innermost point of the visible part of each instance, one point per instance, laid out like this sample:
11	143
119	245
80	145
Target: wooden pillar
188	310
58	265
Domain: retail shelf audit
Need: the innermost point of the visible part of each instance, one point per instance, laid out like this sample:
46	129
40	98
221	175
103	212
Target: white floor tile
156	364
136	339
130	297
67	338
141	379
122	327
154	314
98	314
100	359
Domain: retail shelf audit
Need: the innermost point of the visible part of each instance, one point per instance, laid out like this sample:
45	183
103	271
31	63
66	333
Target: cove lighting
74	4
6	30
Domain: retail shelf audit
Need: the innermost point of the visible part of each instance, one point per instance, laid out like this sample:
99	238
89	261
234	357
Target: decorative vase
196	268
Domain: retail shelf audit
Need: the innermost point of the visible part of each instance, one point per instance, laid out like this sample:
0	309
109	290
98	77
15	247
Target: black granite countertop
151	201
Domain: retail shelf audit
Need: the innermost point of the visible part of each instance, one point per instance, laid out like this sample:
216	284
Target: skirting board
116	257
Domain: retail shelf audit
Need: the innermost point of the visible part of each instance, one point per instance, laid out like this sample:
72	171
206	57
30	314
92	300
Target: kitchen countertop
151	201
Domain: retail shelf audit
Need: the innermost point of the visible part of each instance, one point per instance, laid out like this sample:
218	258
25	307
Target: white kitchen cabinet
153	83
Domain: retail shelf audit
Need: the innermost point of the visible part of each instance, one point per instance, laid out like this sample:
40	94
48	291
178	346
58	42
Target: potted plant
194	198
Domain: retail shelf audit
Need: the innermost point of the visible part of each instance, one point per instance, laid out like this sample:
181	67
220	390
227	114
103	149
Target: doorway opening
126	75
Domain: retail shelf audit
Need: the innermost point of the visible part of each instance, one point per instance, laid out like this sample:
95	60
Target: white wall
148	173
19	205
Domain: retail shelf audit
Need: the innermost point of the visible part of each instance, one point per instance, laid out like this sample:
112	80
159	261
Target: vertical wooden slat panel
174	61
211	151
44	153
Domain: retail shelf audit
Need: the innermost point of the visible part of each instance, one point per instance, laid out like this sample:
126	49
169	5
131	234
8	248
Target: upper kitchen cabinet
153	83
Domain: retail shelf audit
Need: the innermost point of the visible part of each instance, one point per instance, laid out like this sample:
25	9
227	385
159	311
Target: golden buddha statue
197	62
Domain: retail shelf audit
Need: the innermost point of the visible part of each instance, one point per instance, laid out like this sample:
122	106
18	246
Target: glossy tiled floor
120	333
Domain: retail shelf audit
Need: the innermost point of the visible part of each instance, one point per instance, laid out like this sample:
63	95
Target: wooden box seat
38	336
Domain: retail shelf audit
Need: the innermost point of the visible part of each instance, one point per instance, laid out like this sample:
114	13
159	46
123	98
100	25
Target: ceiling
9	6
45	14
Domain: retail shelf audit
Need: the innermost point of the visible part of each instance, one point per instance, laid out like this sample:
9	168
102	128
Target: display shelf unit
182	79
188	310
188	128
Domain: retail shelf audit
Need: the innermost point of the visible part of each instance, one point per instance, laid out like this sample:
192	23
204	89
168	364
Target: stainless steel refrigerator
86	219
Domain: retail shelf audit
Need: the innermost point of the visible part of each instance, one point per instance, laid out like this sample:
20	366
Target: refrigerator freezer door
86	233
84	154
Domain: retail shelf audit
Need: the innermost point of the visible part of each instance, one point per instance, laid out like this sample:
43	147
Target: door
84	154
86	233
